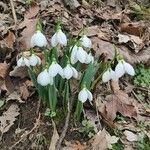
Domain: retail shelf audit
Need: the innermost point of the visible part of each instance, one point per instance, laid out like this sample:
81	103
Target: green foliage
87	128
117	146
142	77
143	143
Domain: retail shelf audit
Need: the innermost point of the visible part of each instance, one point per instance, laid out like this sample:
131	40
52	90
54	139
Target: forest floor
118	122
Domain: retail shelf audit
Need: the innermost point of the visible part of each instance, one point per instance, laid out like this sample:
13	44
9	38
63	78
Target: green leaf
1	103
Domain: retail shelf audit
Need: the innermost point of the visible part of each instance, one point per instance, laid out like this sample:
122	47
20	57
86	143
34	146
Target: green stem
79	109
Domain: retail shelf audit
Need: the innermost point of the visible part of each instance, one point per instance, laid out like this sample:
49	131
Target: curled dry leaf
14	96
8	118
55	137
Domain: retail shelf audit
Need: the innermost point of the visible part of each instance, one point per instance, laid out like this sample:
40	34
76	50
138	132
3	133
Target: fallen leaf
74	146
102	141
55	137
119	102
14	96
136	28
122	38
19	72
130	136
8	118
24	92
32	12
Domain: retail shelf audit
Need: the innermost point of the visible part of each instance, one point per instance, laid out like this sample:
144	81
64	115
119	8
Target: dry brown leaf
102	141
19	72
133	28
55	137
118	102
24	92
8	118
74	146
14	96
130	136
8	41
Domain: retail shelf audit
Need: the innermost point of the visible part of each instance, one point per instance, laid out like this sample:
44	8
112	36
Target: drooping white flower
44	78
109	74
55	69
34	60
69	72
89	59
38	39
73	54
86	42
122	68
59	38
81	55
85	94
23	62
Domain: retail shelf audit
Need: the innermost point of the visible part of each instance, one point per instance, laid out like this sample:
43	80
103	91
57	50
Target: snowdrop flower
109	75
38	39
69	72
23	62
85	94
78	54
55	69
122	68
86	42
89	59
59	38
44	78
34	60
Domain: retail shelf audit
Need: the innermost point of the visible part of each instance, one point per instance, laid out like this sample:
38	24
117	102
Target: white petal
83	95
33	60
73	55
113	75
38	39
39	60
43	78
75	72
68	72
89	58
81	55
26	61
86	42
51	80
60	70
20	62
54	41
119	70
90	96
61	38
129	69
106	76
53	70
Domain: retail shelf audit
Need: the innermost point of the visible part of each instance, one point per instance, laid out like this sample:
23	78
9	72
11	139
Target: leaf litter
107	24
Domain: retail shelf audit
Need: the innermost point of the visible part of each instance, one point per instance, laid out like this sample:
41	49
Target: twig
63	134
13	11
26	134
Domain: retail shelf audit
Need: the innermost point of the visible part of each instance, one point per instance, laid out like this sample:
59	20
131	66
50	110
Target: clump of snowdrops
67	60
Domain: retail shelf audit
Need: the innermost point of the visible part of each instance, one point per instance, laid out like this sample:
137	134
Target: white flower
89	59
34	60
81	55
85	94
44	78
86	42
122	68
38	39
73	54
59	38
109	75
69	72
23	62
55	69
